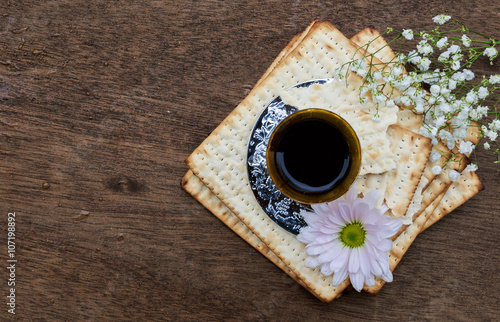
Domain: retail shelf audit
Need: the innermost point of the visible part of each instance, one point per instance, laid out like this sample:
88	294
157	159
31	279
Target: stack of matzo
394	156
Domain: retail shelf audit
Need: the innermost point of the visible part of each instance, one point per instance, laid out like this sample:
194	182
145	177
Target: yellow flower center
353	235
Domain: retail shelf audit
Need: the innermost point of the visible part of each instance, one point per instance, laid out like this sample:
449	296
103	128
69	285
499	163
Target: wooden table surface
100	104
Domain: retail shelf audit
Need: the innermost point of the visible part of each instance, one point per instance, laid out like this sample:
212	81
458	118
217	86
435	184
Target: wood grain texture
103	101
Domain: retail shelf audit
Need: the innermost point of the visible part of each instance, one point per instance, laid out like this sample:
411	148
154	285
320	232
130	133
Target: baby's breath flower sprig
436	81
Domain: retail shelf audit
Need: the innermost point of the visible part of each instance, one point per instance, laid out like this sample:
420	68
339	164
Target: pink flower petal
321	208
339	276
352	194
345	213
331	254
308	234
336	220
330	229
387	277
312	261
385	245
364	261
311	218
383	208
322	239
341	259
354	260
371	198
326	270
370	280
317	249
357	280
361	211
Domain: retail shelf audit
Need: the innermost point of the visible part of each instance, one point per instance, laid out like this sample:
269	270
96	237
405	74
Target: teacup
313	156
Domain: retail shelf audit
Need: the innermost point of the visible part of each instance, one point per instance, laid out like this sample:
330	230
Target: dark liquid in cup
312	156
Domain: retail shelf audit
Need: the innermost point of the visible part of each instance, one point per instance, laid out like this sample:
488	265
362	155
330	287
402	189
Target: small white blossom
441	19
435	89
440	121
495	79
471	167
478	113
453	175
361	72
459	133
482	92
436	170
492	135
445	92
419	108
474	115
466	41
444	107
396	71
400	58
445	135
413	57
495	125
455	65
458	76
408	34
482	111
454	49
425	36
372	86
435	156
377	75
451	144
469	75
490	52
465	147
379	98
471	97
424	64
376	117
445	55
442	43
424	48
486	146
428	131
452	84
405	100
390	103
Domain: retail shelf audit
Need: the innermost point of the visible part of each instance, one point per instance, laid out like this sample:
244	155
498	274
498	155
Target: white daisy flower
349	238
